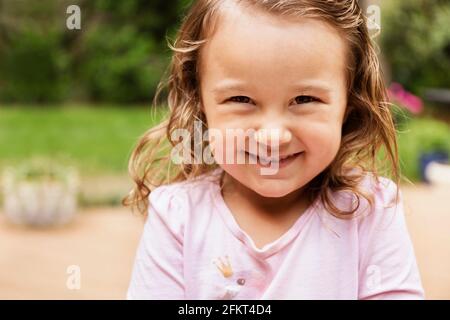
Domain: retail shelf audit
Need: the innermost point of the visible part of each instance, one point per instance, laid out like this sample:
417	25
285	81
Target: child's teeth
271	160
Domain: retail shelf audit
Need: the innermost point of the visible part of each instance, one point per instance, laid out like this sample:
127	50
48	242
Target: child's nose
274	137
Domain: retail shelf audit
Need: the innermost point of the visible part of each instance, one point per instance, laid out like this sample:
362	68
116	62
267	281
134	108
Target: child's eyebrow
228	86
319	87
237	86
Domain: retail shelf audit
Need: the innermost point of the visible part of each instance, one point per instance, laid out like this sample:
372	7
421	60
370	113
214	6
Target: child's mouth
268	162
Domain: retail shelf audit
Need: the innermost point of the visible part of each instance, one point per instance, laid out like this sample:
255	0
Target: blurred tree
119	54
415	38
33	65
123	51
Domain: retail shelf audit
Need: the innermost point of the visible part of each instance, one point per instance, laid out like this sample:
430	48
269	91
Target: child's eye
305	99
240	99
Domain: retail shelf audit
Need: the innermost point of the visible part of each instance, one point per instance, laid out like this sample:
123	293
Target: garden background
82	98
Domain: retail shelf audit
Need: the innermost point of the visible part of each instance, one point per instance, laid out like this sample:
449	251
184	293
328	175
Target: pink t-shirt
193	248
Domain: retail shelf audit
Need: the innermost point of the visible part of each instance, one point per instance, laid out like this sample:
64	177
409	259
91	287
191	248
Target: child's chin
274	191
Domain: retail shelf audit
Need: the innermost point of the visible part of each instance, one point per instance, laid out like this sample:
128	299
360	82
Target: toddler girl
295	209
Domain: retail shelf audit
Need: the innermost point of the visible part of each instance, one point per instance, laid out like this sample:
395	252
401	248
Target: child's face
279	74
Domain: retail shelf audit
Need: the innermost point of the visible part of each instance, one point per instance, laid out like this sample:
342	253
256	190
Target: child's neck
235	189
263	219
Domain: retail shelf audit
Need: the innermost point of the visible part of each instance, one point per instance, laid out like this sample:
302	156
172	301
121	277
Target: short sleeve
388	267
158	266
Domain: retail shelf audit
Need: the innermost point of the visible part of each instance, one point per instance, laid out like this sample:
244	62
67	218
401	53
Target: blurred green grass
97	140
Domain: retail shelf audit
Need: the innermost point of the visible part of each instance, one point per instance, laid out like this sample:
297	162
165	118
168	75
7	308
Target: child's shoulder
375	184
178	202
382	191
386	208
383	212
186	192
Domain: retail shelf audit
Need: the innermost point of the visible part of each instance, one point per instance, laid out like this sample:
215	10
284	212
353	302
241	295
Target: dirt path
102	242
427	211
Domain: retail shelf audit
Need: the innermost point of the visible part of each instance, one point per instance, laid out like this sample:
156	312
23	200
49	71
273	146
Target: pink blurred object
406	99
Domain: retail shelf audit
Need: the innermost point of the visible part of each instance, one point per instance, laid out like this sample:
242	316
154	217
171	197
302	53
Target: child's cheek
322	140
217	143
226	143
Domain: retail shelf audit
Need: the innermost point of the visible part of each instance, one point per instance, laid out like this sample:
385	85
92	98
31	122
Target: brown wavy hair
368	125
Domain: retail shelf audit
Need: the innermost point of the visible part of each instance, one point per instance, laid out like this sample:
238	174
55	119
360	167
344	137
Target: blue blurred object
427	158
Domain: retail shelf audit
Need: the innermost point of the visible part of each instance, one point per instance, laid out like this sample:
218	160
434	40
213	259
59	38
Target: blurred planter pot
428	158
40	194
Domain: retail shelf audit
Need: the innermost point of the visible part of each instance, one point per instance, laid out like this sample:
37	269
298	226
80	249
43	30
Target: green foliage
33	69
119	55
41	169
123	55
33	65
416	41
121	66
